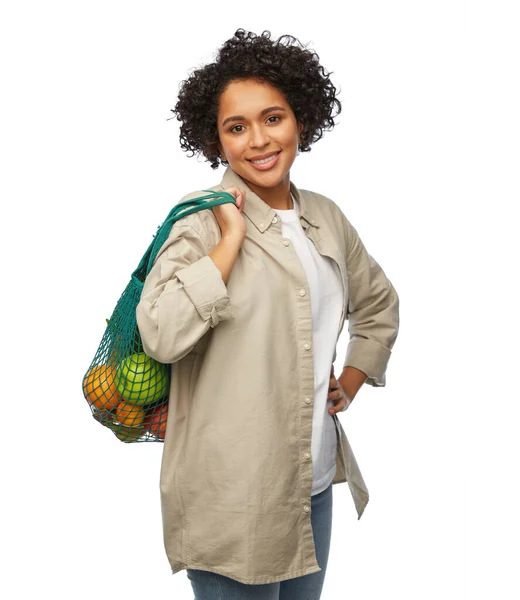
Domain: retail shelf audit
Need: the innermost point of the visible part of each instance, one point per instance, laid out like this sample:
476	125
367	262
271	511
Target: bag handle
179	211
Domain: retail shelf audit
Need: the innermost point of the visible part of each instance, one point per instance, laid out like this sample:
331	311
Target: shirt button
307	400
275	219
307	455
306	508
307	346
302	292
286	242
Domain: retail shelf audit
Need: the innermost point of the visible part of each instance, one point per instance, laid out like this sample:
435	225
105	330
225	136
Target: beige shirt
236	472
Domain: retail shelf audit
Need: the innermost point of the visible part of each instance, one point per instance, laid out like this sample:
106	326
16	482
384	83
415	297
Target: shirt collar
258	211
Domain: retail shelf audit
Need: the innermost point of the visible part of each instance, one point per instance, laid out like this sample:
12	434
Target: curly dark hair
293	70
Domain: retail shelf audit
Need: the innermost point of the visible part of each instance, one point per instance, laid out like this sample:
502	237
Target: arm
224	255
372	313
184	294
351	380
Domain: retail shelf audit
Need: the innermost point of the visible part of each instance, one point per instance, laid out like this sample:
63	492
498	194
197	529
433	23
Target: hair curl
293	70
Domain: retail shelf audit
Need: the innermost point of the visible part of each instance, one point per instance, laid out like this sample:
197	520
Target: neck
278	197
291	204
286	205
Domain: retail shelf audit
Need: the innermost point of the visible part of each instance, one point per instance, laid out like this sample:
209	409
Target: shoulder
326	207
323	204
329	209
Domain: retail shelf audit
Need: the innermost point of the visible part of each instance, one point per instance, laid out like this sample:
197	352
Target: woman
253	445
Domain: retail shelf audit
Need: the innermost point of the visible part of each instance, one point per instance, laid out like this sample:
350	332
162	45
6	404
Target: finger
338	406
235	191
334	394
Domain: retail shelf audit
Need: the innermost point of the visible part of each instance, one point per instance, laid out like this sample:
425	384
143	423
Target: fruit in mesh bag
105	417
130	415
156	419
128	434
100	389
140	379
124	432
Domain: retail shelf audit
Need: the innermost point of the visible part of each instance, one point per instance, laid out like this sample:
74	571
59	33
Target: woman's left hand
337	395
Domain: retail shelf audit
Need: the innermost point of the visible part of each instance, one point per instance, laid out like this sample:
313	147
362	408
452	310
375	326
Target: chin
267	180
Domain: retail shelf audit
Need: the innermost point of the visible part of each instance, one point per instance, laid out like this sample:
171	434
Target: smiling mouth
265	161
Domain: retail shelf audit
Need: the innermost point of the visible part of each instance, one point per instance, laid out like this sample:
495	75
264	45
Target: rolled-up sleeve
372	312
183	296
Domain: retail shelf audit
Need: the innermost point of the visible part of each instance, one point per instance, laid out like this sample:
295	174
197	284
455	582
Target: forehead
249	96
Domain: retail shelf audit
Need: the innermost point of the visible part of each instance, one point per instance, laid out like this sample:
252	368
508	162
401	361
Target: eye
271	117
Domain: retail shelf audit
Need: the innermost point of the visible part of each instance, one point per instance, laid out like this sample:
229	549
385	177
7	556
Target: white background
424	162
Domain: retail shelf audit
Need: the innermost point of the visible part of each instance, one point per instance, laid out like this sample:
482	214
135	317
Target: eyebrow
262	113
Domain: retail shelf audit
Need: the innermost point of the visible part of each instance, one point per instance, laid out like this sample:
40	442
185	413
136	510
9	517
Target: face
254	119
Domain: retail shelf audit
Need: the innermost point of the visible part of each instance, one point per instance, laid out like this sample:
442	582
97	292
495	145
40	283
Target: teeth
264	160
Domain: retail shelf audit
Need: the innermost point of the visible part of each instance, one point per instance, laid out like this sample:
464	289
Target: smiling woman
253	443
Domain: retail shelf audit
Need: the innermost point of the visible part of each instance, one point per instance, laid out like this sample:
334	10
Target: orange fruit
99	387
131	415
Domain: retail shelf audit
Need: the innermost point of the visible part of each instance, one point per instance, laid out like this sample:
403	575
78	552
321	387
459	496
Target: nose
259	137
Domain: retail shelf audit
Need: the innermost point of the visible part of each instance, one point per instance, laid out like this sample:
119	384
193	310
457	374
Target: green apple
140	379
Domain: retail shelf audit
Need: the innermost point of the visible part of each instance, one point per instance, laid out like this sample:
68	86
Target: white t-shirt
324	280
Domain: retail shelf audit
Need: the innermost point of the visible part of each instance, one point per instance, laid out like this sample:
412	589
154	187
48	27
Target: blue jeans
212	586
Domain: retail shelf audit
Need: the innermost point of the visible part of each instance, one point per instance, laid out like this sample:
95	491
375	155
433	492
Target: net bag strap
179	211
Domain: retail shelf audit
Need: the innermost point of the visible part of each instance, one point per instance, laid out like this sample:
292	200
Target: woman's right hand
229	217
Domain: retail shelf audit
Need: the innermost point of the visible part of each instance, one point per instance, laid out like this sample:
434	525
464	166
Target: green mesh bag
127	390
